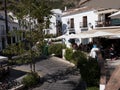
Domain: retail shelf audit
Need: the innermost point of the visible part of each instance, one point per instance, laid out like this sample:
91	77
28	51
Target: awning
62	36
115	15
106	11
85	35
72	36
102	32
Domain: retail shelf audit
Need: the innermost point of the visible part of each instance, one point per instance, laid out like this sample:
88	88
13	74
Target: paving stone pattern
58	74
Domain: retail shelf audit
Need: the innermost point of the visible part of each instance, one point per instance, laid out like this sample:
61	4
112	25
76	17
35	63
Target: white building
84	19
54	20
13	24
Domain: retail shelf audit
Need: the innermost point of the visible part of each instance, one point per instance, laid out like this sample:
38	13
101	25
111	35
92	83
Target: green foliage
37	9
79	56
89	68
14	49
57	40
50	36
92	88
31	79
56	49
22	60
89	71
76	56
10	50
68	54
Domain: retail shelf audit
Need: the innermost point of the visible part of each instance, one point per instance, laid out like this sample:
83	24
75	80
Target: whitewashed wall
11	25
53	25
92	17
54	18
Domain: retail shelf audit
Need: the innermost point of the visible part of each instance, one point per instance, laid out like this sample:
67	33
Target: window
85	21
48	32
1	17
8	28
2	30
72	23
13	39
14	28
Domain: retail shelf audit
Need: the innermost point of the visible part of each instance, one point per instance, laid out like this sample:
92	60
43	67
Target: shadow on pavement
15	74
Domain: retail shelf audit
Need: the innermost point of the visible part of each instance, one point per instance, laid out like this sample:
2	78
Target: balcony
83	26
103	23
108	23
71	30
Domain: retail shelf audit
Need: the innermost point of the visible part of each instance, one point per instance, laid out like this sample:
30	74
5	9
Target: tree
34	10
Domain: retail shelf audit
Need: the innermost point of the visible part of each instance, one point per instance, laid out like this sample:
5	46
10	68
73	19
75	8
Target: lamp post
6	18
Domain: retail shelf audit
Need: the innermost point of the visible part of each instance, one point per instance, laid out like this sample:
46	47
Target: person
93	51
112	53
74	46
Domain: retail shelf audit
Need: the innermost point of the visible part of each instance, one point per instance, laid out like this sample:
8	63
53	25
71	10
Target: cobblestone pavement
112	74
110	66
58	74
113	63
67	84
47	66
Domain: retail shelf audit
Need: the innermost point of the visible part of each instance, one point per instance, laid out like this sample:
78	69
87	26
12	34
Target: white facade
84	19
53	22
78	21
52	26
12	25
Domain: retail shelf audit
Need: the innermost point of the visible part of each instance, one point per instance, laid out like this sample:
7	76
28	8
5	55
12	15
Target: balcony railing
83	27
103	23
106	23
71	30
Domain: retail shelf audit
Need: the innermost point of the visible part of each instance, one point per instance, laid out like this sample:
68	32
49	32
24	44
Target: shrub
90	72
89	68
56	49
31	79
92	88
68	54
79	57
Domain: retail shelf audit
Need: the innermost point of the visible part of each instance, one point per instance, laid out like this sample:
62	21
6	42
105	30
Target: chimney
65	8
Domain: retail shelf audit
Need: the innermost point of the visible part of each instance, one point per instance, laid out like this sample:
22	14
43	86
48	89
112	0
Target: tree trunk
33	61
31	66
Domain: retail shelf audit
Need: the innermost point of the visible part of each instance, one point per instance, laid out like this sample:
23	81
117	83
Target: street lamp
6	18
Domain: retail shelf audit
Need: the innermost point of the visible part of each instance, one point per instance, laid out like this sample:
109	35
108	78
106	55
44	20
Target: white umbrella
115	15
101	3
2	58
